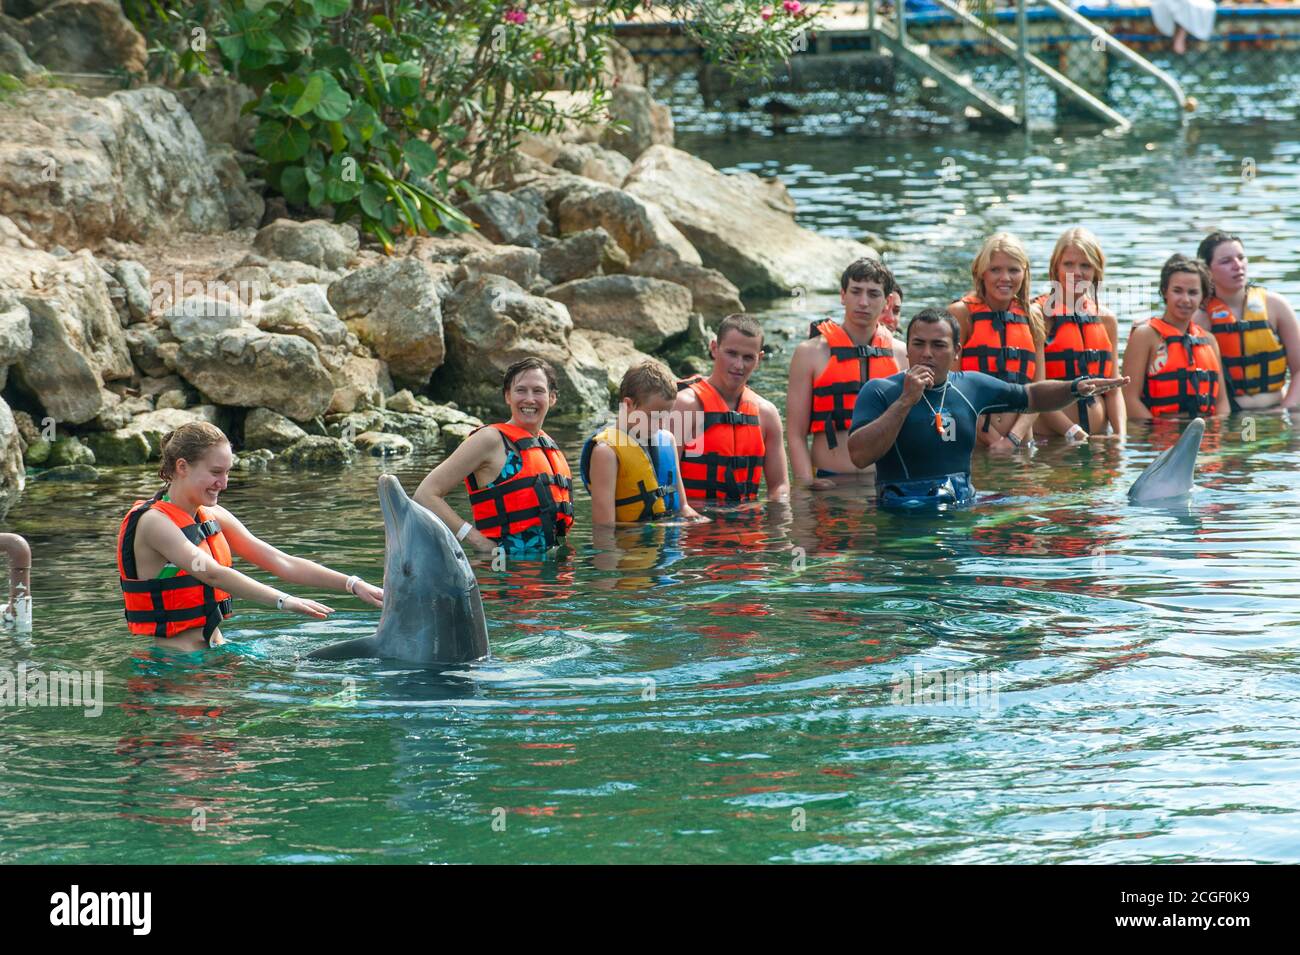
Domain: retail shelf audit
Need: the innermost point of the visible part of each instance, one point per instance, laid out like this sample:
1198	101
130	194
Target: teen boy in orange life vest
1173	364
174	550
741	438
828	370
518	480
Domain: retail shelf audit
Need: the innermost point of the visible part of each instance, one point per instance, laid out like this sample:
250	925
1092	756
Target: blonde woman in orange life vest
1002	333
174	552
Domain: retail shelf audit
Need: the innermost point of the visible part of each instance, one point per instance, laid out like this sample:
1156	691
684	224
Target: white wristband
352	582
1075	431
464	531
279	601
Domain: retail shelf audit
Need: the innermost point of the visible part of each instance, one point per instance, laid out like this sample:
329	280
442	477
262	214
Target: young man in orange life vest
739	441
829	369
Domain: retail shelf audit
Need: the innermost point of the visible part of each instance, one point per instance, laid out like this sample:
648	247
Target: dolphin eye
406	568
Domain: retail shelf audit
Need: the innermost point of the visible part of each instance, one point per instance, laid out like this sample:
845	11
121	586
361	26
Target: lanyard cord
938	415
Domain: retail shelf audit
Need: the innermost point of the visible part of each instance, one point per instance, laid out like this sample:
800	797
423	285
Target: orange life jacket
1077	344
1253	356
1000	342
539	495
1188	381
166	606
731	464
836	388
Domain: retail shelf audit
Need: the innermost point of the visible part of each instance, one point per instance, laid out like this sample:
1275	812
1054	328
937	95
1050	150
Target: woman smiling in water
174	551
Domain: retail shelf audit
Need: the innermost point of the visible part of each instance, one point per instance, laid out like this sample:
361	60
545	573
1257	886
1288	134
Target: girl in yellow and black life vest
518	479
1172	363
174	552
1082	338
630	468
1256	330
1002	333
829	369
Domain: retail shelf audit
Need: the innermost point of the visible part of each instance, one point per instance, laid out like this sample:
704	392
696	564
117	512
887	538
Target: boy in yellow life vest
630	468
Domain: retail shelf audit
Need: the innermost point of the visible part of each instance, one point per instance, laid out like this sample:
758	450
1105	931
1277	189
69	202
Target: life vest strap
158	585
518	484
855	352
837	389
1258	358
728	417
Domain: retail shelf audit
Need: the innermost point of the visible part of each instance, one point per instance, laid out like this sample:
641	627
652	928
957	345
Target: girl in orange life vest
713	469
518	480
1082	338
1173	364
1256	330
1002	333
828	370
174	551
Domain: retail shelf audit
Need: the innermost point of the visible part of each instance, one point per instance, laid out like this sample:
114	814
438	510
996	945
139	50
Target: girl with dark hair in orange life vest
1082	339
518	480
1256	330
174	552
1173	364
1002	333
828	370
740	441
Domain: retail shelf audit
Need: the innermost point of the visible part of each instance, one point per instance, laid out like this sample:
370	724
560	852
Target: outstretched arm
472	454
295	570
1051	395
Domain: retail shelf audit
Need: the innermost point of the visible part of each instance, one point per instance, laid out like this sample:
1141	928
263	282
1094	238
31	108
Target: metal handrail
1056	78
1065	12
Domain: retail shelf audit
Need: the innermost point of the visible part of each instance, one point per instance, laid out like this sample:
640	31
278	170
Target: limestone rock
84	473
581	255
13	475
593	162
395	309
518	264
491	323
617	356
264	428
130	166
648	123
420	430
636	225
315	242
735	223
85	36
217	111
505	220
247	367
380	445
69	450
202	315
648	311
359	381
121	447
315	451
712	293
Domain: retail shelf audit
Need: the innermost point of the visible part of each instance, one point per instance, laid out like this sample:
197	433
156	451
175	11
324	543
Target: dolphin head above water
433	612
1170	475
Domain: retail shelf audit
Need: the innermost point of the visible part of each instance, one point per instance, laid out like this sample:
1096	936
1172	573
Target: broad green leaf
420	156
373	198
335	101
330	8
311	96
278	141
316	195
293	184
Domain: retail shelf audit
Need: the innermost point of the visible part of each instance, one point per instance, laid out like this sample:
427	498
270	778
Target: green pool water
733	692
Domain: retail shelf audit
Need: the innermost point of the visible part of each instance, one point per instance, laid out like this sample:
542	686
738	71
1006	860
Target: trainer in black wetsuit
919	427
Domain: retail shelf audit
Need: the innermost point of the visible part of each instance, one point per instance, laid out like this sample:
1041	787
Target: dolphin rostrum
433	612
1170	475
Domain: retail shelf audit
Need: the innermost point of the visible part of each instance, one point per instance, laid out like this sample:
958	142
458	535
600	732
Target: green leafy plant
383	110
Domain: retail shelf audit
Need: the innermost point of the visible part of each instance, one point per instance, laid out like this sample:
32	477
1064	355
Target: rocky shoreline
147	280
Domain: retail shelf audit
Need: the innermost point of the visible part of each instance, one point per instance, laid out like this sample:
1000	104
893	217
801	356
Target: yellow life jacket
1254	358
637	493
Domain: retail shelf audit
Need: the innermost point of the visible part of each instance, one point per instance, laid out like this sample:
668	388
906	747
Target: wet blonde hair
1083	240
1007	244
190	441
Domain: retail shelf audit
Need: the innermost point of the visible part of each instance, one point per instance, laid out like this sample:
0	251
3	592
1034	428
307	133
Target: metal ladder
893	37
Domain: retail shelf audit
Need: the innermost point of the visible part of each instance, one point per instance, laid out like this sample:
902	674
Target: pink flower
537	54
515	16
792	6
765	13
